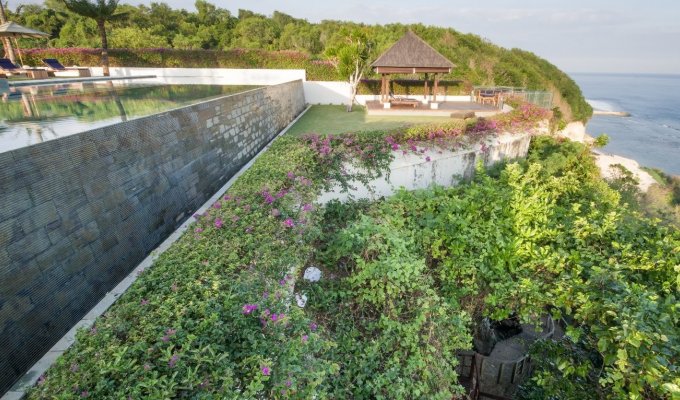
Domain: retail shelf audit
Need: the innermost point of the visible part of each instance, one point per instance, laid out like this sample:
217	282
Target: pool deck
445	109
55	81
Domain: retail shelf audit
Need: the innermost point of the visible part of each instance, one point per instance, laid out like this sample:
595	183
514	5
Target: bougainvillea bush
405	280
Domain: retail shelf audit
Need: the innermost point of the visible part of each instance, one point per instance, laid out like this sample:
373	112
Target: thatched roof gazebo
410	55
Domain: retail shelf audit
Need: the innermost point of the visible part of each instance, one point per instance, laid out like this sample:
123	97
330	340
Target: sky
624	36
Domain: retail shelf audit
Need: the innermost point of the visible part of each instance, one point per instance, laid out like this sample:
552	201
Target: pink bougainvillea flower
428	159
217	205
307	207
248	308
84	394
218	223
313	326
289	383
198	230
144	302
235	218
289	223
266	371
305	338
290	175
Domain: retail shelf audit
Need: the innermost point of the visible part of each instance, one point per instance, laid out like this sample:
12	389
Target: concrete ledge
54	81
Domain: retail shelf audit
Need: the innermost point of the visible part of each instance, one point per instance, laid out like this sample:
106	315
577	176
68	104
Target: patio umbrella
14	30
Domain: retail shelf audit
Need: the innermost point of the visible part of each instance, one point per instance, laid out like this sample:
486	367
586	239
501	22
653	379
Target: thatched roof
412	52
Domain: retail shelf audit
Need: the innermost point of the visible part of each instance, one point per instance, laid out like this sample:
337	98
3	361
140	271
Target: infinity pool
34	114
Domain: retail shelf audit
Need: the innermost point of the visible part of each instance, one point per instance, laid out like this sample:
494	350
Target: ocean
651	135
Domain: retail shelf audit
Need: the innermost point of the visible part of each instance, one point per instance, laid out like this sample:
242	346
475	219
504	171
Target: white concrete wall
337	92
445	168
210	76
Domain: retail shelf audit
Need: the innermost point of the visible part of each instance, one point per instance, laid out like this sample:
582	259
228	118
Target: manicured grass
335	119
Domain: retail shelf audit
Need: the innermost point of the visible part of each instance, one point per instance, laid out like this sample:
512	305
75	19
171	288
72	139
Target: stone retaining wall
78	213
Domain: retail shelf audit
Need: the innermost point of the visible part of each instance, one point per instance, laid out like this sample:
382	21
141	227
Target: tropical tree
351	58
101	11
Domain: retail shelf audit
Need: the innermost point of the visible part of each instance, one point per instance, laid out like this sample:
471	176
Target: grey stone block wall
78	213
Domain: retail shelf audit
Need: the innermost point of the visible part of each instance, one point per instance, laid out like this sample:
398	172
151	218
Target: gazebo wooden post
382	88
425	89
436	86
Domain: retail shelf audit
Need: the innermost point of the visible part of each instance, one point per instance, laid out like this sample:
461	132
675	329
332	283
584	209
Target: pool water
34	114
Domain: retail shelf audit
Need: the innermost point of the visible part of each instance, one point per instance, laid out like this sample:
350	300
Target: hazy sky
576	35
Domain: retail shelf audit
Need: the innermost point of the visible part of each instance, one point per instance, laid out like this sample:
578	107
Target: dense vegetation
405	281
173	38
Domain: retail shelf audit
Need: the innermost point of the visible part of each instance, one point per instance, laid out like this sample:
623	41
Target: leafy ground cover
405	281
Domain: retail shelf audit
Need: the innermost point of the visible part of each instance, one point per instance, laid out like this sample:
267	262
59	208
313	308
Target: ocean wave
603	105
675	128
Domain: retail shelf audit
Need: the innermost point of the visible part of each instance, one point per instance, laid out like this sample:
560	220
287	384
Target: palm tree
101	11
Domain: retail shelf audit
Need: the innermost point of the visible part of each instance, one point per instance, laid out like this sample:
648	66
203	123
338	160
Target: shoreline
612	113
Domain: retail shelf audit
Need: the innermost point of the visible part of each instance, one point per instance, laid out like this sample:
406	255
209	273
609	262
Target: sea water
651	135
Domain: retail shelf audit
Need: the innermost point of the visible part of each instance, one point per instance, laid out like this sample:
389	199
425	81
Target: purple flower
173	360
248	308
93	330
41	380
307	207
274	317
276	212
266	371
198	230
305	338
235	218
313	326
428	159
249	229
289	383
289	223
217	205
290	175
282	282
395	146
281	193
218	223
84	393
227	197
265	295
144	302
197	216
74	367
165	338
171	331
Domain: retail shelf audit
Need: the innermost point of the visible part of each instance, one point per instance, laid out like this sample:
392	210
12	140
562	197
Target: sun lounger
56	68
8	68
403	101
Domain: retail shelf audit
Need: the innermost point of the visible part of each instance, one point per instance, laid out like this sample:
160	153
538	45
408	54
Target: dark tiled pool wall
78	213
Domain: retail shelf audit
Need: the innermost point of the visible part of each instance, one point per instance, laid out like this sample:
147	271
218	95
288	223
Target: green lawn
335	119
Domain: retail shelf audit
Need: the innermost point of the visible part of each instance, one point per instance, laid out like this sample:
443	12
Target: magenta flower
235	218
313	326
282	282
173	360
281	193
305	338
144	302
289	383
218	223
248	308
217	205
197	216
198	230
266	371
307	207
165	338
84	393
428	159
290	175
274	317
41	380
227	197
289	223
